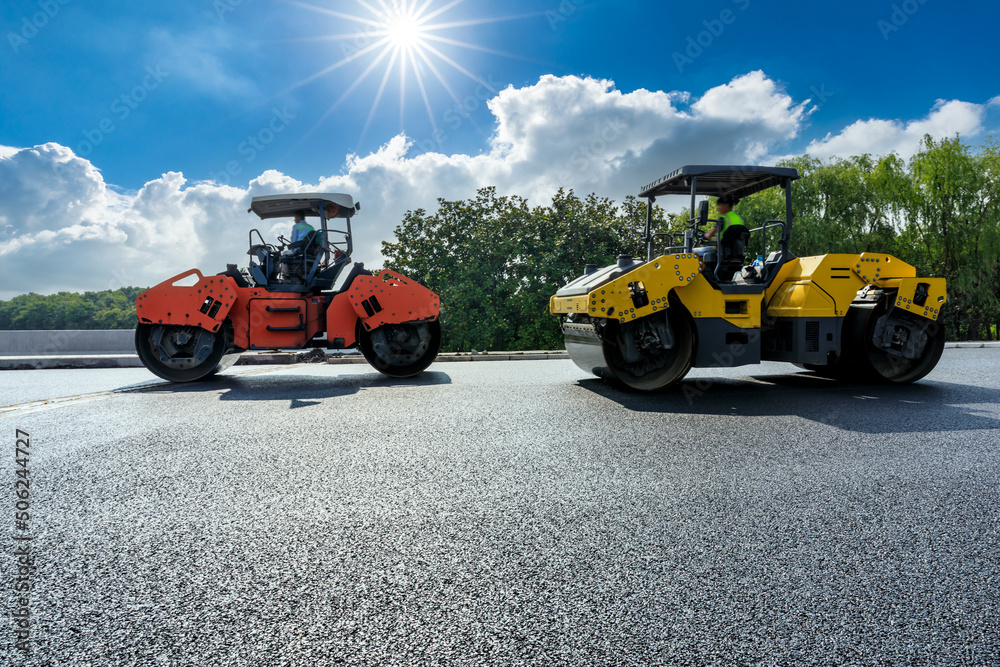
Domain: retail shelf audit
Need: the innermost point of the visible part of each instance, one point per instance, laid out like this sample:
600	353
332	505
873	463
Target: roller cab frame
192	326
646	322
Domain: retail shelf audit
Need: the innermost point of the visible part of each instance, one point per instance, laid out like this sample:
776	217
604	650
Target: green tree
953	230
495	262
70	310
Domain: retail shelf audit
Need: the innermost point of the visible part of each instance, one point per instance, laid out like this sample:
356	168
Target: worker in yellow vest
726	216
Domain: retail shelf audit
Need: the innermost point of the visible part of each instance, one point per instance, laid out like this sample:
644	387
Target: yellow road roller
695	302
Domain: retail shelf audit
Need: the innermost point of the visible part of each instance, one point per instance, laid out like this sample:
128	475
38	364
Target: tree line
938	212
495	260
110	309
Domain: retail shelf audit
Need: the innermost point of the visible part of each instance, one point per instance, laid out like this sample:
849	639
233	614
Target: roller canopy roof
285	206
718	180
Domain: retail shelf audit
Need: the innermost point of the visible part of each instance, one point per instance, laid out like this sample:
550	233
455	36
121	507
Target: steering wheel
255	248
717	225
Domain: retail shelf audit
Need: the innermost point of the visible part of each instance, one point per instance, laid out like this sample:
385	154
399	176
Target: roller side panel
722	344
390	298
206	304
630	294
802	340
341	321
285	323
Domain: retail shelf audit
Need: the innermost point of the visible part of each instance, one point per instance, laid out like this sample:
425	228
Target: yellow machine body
700	303
800	317
821	286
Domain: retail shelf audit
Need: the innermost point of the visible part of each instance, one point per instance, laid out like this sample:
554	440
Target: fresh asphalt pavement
505	513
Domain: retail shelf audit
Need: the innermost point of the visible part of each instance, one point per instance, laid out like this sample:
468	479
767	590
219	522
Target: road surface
504	513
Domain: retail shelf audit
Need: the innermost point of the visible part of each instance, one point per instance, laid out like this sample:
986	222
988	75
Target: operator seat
308	245
235	274
297	257
732	252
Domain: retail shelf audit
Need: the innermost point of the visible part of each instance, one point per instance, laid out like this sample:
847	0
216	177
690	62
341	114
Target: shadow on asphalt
301	390
865	408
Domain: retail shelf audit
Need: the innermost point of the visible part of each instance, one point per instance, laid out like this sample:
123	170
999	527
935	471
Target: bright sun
403	31
399	37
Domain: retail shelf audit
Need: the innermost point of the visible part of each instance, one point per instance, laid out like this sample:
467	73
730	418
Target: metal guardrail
76	341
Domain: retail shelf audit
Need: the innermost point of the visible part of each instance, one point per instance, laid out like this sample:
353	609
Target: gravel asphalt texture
508	513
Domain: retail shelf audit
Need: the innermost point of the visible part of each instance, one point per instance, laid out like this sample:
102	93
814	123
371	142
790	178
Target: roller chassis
645	323
193	326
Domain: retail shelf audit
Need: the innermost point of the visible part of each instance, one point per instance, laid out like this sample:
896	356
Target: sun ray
383	14
410	39
346	93
378	95
487	21
459	67
423	8
329	38
361	77
437	75
331	12
473	47
440	10
331	68
427	102
444	84
402	85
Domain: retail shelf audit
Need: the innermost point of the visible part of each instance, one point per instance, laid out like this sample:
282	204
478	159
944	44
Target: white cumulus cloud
62	227
879	137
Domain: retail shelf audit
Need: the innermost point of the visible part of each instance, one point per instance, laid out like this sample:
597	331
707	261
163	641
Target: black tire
865	362
185	354
661	371
409	351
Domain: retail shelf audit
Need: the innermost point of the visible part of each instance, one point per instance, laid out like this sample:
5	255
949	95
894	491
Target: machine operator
727	217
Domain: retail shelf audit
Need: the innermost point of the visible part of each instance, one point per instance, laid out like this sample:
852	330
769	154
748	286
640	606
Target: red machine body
192	326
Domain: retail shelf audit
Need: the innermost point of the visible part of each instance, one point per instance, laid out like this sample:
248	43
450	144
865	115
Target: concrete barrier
116	349
70	342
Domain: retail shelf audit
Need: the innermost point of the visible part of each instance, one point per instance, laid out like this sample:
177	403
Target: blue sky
119	120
